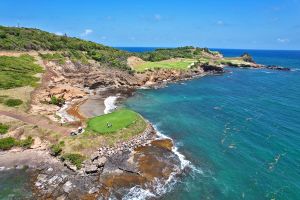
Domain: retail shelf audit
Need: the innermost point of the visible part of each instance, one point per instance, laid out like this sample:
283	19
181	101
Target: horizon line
251	49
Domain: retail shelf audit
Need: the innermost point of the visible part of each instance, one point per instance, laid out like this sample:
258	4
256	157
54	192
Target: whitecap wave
295	69
159	187
138	193
109	103
183	161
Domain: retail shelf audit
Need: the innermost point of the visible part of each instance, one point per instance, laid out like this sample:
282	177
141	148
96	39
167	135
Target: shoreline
40	182
113	166
46	165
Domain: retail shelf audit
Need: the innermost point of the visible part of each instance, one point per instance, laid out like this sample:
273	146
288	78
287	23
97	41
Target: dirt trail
37	121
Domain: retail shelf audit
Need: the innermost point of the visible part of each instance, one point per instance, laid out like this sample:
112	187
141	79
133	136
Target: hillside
29	39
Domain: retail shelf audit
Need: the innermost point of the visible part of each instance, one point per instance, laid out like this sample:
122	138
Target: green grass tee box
119	119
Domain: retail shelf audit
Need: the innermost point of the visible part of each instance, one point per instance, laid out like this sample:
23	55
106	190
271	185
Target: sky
238	24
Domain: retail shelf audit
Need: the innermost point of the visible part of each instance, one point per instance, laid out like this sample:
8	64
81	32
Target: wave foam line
109	103
160	187
183	161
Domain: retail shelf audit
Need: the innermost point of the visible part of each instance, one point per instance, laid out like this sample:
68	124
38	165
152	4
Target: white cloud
103	37
283	40
87	32
58	33
157	17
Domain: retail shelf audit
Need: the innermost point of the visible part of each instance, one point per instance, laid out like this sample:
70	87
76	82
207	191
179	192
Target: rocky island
59	119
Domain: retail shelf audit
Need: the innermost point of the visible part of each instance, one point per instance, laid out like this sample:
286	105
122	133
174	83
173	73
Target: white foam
183	161
295	69
138	193
159	187
109	103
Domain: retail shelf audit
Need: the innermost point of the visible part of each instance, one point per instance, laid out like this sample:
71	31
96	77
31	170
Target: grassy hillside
25	39
18	71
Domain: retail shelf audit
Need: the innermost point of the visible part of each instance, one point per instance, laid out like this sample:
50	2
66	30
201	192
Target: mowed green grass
18	71
168	64
120	120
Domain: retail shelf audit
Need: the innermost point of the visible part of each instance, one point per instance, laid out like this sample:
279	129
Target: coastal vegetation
56	149
58	101
26	39
74	159
10	142
13	102
57	57
18	71
4	99
3	128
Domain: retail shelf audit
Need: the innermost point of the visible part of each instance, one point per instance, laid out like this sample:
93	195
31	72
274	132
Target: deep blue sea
240	130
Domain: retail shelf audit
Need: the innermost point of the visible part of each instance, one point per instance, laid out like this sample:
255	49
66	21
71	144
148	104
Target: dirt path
37	121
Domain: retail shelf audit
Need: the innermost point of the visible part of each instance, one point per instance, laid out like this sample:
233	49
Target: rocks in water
213	68
274	67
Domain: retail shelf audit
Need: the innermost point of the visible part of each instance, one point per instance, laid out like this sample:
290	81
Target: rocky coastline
110	167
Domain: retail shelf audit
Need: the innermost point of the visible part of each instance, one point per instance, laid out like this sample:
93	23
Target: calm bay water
241	130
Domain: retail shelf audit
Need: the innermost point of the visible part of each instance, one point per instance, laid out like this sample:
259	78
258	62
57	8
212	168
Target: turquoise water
241	130
15	184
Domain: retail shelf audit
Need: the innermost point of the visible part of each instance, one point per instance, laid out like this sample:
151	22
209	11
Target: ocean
239	130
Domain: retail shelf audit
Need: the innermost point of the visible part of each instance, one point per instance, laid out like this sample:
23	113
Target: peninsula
61	113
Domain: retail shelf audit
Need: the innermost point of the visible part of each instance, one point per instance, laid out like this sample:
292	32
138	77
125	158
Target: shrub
7	143
56	149
57	101
3	128
13	102
74	158
247	57
26	143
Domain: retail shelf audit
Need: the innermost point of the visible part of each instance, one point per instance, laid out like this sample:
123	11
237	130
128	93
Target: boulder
67	187
101	161
94	156
70	166
91	169
93	190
